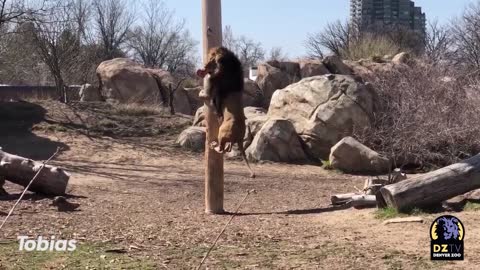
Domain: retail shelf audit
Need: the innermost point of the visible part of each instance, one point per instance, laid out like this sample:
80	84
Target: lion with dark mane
223	87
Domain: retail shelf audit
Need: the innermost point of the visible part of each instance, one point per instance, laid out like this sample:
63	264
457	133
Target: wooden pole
212	37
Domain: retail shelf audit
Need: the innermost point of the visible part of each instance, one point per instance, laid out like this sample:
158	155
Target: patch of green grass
86	256
327	165
387	213
471	206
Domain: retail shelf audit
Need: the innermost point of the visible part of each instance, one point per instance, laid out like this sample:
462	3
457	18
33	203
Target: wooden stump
19	170
434	187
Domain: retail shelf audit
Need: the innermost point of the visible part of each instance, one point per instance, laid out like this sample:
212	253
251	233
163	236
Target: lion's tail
242	150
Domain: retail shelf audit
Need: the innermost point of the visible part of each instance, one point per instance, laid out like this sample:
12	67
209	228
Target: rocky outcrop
275	75
336	66
350	156
324	109
126	81
253	95
310	68
277	141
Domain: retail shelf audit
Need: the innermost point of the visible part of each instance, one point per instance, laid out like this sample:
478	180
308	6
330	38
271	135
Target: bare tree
161	41
18	11
276	53
437	42
466	37
336	37
228	40
247	50
82	15
113	22
57	44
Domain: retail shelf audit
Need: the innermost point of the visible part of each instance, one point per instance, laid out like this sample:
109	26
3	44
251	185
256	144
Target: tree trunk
434	187
19	170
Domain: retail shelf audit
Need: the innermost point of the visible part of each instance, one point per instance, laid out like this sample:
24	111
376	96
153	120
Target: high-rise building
387	12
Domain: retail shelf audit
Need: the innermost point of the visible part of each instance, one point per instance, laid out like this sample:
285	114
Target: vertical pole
212	37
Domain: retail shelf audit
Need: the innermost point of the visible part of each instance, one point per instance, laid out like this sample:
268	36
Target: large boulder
350	156
310	68
275	75
252	96
126	81
277	141
89	92
336	66
181	102
193	138
199	118
256	118
324	109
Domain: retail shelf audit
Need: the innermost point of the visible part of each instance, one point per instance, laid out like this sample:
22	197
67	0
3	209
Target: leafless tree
437	42
247	50
276	53
18	11
161	41
228	40
466	37
336	37
57	44
113	21
82	12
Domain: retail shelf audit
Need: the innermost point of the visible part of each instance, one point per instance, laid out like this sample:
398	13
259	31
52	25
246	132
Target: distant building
388	12
252	73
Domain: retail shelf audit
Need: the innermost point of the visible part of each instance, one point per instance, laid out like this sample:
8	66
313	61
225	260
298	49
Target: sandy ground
145	195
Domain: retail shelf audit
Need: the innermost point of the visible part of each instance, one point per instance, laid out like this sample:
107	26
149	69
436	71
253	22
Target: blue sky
286	23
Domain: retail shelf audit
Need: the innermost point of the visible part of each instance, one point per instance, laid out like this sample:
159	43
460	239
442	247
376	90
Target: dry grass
369	47
424	119
137	110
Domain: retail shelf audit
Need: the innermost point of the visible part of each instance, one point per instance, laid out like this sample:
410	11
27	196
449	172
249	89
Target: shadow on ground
17	119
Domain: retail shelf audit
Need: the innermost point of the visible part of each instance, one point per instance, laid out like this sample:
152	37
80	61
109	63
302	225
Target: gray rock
349	155
324	109
277	141
335	65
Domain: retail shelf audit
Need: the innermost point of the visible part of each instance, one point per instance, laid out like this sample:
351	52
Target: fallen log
342	198
51	181
433	187
364	201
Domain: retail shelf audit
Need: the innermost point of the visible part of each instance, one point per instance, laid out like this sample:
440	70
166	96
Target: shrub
369	47
424	118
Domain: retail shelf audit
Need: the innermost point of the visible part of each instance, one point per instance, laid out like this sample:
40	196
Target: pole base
215	212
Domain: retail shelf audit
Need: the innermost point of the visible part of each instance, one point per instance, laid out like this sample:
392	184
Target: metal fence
8	92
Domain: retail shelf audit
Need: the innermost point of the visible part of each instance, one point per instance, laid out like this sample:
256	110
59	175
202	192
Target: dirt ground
142	206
